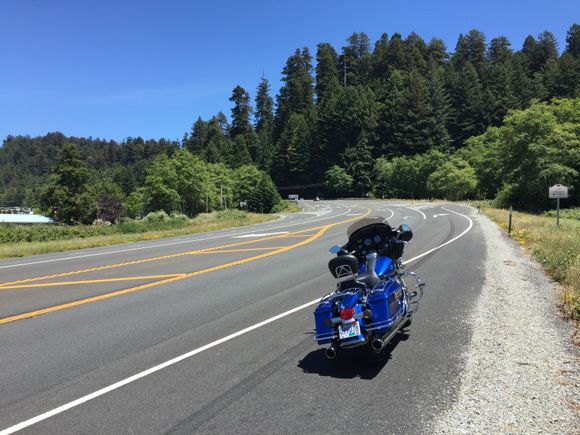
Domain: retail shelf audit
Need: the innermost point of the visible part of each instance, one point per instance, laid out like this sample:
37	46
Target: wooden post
510	221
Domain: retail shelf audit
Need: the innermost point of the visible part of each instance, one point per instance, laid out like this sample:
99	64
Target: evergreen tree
197	141
391	96
469	105
412	131
499	51
264	125
380	58
355	59
293	159
437	52
417	52
219	148
241	112
241	153
573	40
358	161
567	84
439	105
296	95
547	48
529	50
397	58
66	197
470	48
327	75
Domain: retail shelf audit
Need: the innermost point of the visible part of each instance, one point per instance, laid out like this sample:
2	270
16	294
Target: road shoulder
521	370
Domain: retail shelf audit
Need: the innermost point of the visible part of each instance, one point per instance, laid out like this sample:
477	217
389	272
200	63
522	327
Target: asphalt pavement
213	333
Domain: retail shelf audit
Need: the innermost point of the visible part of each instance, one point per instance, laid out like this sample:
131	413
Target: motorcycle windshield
371	220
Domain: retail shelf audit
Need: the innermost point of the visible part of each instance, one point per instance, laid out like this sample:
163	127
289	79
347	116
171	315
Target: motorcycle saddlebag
322	318
386	305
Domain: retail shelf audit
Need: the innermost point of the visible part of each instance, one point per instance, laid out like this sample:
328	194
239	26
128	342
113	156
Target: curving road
213	333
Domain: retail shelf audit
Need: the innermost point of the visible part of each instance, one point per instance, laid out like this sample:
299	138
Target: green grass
556	248
44	239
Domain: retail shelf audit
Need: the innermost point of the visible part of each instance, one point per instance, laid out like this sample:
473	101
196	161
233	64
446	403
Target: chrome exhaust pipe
330	352
377	344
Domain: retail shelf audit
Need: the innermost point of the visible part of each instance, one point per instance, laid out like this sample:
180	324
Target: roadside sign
294	196
558	191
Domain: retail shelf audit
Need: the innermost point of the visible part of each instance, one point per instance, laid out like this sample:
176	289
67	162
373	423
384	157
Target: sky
114	69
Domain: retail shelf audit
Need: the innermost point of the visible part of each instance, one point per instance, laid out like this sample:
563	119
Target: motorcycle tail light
346	313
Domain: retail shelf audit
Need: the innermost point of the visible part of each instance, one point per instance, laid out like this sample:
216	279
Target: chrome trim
326	336
356	343
389	335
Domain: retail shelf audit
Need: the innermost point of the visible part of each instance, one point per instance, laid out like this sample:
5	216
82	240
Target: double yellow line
166	278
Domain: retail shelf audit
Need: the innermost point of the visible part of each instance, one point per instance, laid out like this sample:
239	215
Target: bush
566	213
156	216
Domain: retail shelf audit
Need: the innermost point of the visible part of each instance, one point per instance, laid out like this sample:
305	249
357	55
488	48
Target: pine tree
66	199
380	59
567	84
355	59
264	125
241	112
327	75
499	95
412	132
358	161
437	52
197	142
297	94
390	114
470	48
499	51
241	153
467	97
417	52
573	40
439	105
293	154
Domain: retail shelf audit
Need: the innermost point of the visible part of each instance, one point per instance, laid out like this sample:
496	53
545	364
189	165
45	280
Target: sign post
556	192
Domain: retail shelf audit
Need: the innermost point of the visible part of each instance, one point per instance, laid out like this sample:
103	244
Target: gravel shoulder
521	370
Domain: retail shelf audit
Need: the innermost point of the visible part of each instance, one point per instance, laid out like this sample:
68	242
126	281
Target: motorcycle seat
370	280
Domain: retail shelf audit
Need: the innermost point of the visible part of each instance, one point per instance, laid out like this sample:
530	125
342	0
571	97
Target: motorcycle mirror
335	249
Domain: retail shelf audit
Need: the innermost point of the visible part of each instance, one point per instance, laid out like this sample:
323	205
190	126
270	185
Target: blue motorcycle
372	301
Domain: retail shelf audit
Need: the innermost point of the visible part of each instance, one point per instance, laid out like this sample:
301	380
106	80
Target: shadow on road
360	362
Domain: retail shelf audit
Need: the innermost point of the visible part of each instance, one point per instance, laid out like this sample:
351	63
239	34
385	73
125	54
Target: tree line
358	117
403	117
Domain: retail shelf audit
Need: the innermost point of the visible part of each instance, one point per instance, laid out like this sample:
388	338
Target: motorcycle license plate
349	330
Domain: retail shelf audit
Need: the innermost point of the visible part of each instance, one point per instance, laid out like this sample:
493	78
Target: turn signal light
346	313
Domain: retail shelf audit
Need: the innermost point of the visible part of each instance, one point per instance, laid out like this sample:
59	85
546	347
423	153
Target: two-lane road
214	332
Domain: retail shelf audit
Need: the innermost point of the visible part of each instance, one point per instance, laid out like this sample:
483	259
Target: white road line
193	352
447	242
148	372
243	236
392	213
180	242
418	211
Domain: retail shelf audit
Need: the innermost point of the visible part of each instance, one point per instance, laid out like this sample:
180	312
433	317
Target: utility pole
207	199
221	194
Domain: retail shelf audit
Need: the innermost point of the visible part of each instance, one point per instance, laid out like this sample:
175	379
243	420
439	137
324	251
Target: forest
402	118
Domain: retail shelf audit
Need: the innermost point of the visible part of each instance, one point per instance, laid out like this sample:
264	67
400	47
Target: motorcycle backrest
405	233
343	266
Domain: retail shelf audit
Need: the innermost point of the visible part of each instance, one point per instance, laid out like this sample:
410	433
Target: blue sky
113	69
